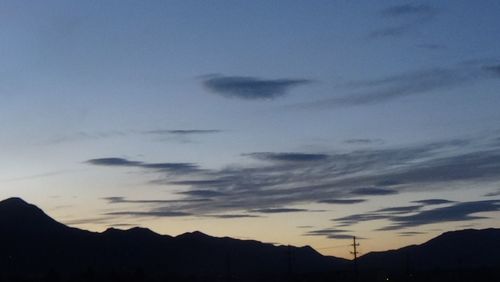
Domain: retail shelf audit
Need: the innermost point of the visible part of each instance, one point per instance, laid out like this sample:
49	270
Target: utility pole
355	253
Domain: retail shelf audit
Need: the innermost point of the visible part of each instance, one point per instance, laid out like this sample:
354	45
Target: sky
290	122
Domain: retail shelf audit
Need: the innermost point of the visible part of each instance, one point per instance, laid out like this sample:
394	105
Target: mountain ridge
32	242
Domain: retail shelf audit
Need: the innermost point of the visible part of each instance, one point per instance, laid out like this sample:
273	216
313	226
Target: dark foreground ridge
34	247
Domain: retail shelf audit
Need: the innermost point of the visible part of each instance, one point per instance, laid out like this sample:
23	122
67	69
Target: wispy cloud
234	216
282	181
288	157
151	213
279	210
433	201
182	135
413	216
493	194
406	10
399	210
373	191
403	19
165	167
342	201
366	92
123	200
251	88
409	233
183	131
330	233
364	141
458	212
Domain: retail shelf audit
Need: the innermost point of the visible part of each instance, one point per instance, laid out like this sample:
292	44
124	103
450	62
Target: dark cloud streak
251	88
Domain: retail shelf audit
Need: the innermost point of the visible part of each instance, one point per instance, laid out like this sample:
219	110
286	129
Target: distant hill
32	243
456	250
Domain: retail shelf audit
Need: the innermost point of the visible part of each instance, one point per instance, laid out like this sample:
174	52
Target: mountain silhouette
464	249
31	243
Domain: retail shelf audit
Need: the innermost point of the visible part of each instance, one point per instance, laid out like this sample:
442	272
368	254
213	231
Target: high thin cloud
151	213
330	233
342	201
413	216
182	135
364	141
433	201
165	167
288	180
183	131
278	210
403	19
366	92
123	200
251	88
458	212
289	157
373	191
234	216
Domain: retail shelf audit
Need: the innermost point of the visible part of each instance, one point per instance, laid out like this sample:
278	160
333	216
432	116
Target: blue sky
291	122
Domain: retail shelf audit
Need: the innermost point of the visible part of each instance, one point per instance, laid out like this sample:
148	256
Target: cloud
404	19
165	167
123	200
231	216
373	191
288	157
203	182
324	232
342	236
182	135
433	202
464	211
431	46
93	220
363	141
113	162
330	233
493	194
419	82
279	210
202	193
494	69
410	233
288	179
399	210
251	88
357	218
414	216
85	136
183	131
152	213
341	201
408	10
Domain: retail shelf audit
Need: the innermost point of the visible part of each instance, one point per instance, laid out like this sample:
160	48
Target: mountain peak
14	201
18	206
194	235
137	231
14	210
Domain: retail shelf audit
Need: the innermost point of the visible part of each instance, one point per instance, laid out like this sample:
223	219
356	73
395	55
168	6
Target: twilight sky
294	122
